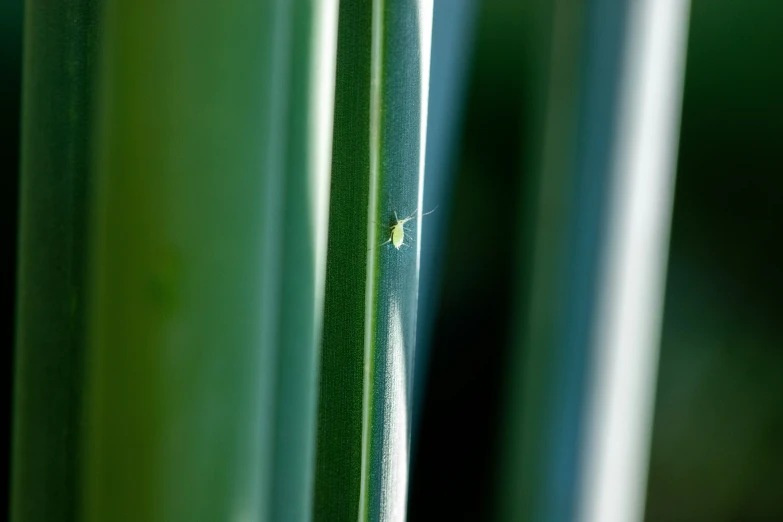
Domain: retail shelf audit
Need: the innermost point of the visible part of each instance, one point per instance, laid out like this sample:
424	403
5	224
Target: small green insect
397	237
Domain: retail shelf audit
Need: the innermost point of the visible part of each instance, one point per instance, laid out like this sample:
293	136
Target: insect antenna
430	212
413	216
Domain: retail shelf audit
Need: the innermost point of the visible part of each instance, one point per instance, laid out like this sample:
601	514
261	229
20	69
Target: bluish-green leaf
371	287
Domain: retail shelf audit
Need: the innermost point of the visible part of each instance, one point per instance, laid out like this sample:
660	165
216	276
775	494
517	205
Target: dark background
717	448
10	105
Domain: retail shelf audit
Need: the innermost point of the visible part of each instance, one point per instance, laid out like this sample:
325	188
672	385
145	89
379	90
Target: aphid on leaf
397	237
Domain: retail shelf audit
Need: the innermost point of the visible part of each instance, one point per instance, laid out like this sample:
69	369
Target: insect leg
379	246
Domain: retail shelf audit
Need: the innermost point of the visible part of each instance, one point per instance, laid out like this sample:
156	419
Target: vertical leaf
185	262
58	74
371	289
580	387
211	209
310	113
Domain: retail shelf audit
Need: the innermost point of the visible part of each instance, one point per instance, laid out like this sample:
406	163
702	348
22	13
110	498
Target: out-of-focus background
717	452
718	422
10	106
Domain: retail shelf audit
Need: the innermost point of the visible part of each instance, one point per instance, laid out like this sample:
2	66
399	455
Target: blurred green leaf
304	228
59	59
183	385
371	288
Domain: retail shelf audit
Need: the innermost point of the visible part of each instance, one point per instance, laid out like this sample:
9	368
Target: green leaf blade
58	92
372	289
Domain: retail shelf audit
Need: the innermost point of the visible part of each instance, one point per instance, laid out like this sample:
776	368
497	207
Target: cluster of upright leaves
173	226
174	270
